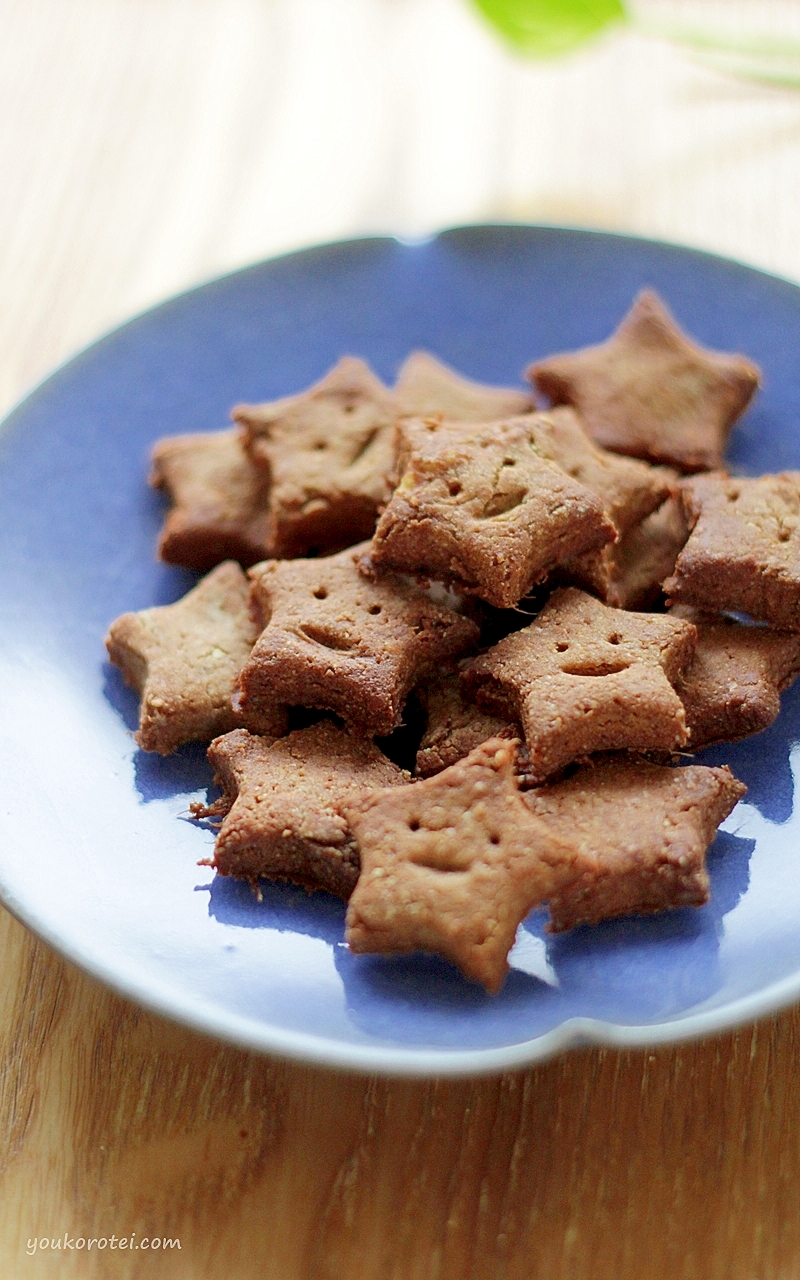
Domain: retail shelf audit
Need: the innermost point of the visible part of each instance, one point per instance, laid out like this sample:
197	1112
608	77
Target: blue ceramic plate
96	853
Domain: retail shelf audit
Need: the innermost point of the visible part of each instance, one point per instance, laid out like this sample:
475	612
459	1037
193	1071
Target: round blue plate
96	854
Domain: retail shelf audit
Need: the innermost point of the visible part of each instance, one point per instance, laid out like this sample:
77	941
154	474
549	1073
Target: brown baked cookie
220	501
645	555
184	659
454	864
733	684
479	507
328	452
628	574
650	391
425	387
283	804
649	827
455	727
743	553
584	677
333	639
628	489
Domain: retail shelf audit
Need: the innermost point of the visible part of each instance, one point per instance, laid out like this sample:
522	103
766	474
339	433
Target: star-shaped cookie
584	677
425	386
335	640
649	828
743	553
220	499
454	864
328	452
733	684
454	726
283	804
479	507
645	555
650	391
184	660
628	489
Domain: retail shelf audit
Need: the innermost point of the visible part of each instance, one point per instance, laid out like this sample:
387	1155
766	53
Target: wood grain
684	1162
146	144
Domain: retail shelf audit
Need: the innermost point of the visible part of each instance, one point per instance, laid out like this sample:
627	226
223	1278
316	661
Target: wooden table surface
147	144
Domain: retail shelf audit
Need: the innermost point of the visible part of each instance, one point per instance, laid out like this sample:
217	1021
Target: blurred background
149	144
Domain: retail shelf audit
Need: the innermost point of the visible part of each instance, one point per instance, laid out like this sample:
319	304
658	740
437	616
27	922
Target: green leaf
544	28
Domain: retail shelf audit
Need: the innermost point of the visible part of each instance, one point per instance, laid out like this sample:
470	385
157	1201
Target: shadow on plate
121	696
631	970
282	907
763	763
187	770
648	968
172	583
408	999
158	777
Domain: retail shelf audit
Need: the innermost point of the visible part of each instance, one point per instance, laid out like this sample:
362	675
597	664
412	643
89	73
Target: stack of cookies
474	636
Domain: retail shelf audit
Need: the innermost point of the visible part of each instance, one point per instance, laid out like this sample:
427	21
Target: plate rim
401	1061
378	237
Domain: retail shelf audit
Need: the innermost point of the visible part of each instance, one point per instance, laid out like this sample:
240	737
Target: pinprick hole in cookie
562	647
614	638
733	494
321	593
413	825
374	609
784	535
321	444
494	838
509	462
454	488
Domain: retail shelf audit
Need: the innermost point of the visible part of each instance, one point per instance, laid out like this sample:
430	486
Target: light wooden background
147	144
